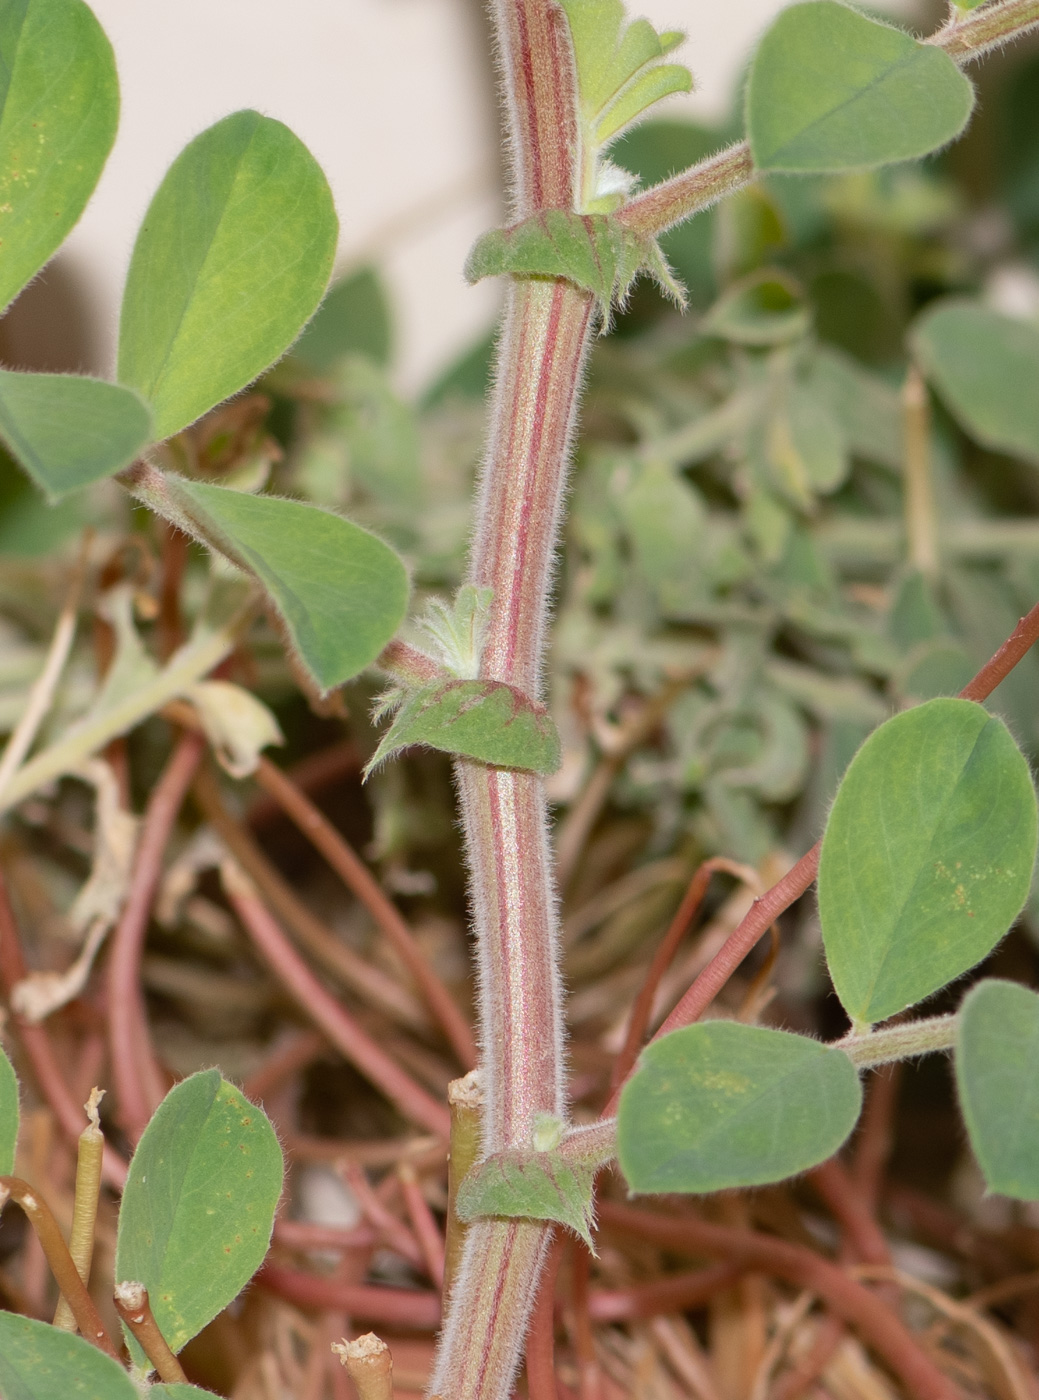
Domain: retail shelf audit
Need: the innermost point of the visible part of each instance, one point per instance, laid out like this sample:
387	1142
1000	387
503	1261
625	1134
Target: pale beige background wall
394	98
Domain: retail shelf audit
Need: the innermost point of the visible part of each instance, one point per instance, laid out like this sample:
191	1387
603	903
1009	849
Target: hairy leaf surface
67	431
41	1362
488	720
997	1074
341	592
534	1186
199	1204
831	90
230	262
720	1105
986	368
59	108
927	857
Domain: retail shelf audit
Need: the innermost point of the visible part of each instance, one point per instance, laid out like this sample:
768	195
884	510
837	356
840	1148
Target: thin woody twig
88	1319
368	1363
423	1223
133	1306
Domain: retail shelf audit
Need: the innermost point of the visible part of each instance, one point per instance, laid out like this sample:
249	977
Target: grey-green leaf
40	1362
341	592
353	319
986	368
831	90
488	720
59	109
720	1105
766	308
533	1186
997	1073
199	1204
230	263
67	431
8	1115
927	857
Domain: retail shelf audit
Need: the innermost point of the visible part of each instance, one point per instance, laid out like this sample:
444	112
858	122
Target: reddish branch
139	1082
36	1042
541	1338
677	1294
687	911
73	1289
403	1307
423	1223
324	1010
358	878
803	1268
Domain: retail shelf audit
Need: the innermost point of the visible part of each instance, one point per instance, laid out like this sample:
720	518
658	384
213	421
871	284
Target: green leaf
59	109
353	319
533	1186
488	720
667	525
766	308
68	431
8	1115
997	1074
178	1392
198	1208
41	1362
619	74
831	90
927	857
593	251
230	262
986	368
341	592
720	1105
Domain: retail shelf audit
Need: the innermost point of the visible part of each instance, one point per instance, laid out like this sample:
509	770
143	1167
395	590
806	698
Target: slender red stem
358	878
36	1042
423	1223
139	1082
687	911
403	1307
677	1294
73	1289
873	1320
541	1339
838	1189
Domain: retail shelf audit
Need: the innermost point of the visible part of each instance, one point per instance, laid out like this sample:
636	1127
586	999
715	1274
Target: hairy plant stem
702	185
541	354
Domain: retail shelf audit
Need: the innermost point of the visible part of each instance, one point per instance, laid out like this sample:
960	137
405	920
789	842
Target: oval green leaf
353	319
198	1208
997	1074
488	720
927	857
41	1362
59	109
342	592
67	431
230	263
831	90
720	1105
986	368
8	1115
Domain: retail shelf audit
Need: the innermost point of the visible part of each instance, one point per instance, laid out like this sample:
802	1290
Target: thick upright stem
541	356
